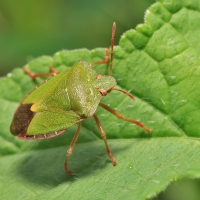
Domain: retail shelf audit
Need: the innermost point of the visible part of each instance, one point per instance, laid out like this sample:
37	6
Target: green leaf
159	64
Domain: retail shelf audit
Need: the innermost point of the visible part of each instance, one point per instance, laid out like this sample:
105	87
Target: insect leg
103	61
103	135
120	116
32	75
71	147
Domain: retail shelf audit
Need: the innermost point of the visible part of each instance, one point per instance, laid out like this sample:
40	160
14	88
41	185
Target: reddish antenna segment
112	47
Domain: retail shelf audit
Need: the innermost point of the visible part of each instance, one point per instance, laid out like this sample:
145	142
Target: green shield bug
70	97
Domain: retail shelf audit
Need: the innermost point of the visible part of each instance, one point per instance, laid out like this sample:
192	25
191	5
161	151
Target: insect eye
98	76
102	91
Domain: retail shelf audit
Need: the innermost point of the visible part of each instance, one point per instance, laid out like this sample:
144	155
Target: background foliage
159	63
29	29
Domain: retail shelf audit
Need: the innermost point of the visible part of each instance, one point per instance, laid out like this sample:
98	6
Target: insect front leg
103	61
103	135
71	147
32	75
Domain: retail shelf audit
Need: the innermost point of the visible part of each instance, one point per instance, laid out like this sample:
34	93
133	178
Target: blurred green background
32	28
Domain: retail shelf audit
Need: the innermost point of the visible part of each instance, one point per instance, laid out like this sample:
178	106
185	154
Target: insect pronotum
66	99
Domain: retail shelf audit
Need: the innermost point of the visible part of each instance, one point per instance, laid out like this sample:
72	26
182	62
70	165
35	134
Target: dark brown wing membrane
21	119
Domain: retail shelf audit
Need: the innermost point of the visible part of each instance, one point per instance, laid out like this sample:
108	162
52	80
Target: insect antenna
120	116
124	92
112	47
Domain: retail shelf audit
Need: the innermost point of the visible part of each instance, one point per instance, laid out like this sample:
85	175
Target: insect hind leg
32	75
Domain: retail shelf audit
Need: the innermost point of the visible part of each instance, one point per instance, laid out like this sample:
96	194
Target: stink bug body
66	99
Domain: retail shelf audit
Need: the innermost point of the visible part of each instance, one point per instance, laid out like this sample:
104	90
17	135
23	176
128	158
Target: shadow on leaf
46	166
